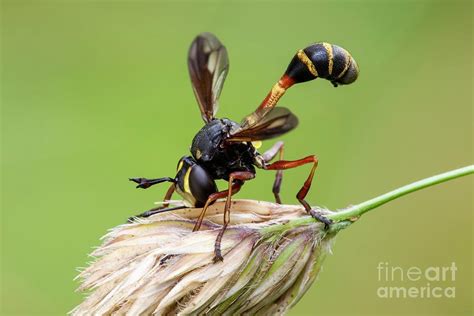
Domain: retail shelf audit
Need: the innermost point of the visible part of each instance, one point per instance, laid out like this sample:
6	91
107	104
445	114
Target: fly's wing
274	123
208	65
255	117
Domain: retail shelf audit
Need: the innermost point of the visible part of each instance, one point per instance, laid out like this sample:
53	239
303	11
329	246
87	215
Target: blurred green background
96	92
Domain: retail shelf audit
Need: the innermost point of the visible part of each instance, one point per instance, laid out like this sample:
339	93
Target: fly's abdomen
323	60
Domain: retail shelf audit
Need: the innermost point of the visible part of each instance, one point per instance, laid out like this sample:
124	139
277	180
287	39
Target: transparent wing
208	65
274	123
255	117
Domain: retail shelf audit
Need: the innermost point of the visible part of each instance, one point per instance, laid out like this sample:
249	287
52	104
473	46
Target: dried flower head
159	266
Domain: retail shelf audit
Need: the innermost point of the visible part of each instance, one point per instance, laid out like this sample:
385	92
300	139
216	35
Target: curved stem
343	218
355	211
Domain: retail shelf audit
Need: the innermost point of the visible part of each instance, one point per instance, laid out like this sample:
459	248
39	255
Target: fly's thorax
210	139
193	182
220	158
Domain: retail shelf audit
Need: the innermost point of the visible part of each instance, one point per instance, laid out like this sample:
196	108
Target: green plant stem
343	218
356	211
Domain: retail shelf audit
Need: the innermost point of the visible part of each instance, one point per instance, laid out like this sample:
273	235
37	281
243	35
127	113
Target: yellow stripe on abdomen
309	64
330	55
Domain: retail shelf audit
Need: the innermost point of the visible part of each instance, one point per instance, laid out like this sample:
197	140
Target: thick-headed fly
225	149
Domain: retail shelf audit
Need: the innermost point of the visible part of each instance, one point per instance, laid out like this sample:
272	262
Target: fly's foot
320	217
143	183
217	254
156	210
165	259
217	257
142	215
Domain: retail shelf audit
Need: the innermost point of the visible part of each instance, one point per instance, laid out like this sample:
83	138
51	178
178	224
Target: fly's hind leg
267	157
301	195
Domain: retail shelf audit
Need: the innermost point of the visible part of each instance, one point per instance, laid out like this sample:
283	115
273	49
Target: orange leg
169	194
211	199
240	177
268	156
284	164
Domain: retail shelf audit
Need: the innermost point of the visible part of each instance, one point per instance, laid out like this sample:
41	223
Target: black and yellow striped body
193	182
323	60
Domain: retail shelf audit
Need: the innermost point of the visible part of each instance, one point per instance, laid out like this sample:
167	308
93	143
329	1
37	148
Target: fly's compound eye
200	184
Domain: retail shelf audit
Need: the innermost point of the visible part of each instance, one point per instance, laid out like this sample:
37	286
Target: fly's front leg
145	183
301	195
154	211
211	199
239	177
162	208
267	157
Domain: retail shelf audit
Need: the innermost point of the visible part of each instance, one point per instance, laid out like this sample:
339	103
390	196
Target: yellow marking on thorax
330	54
257	144
180	165
198	154
309	64
346	65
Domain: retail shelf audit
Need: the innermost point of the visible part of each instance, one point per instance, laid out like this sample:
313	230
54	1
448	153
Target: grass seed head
159	266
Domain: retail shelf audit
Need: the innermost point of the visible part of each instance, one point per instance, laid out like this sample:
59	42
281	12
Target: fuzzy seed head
158	266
